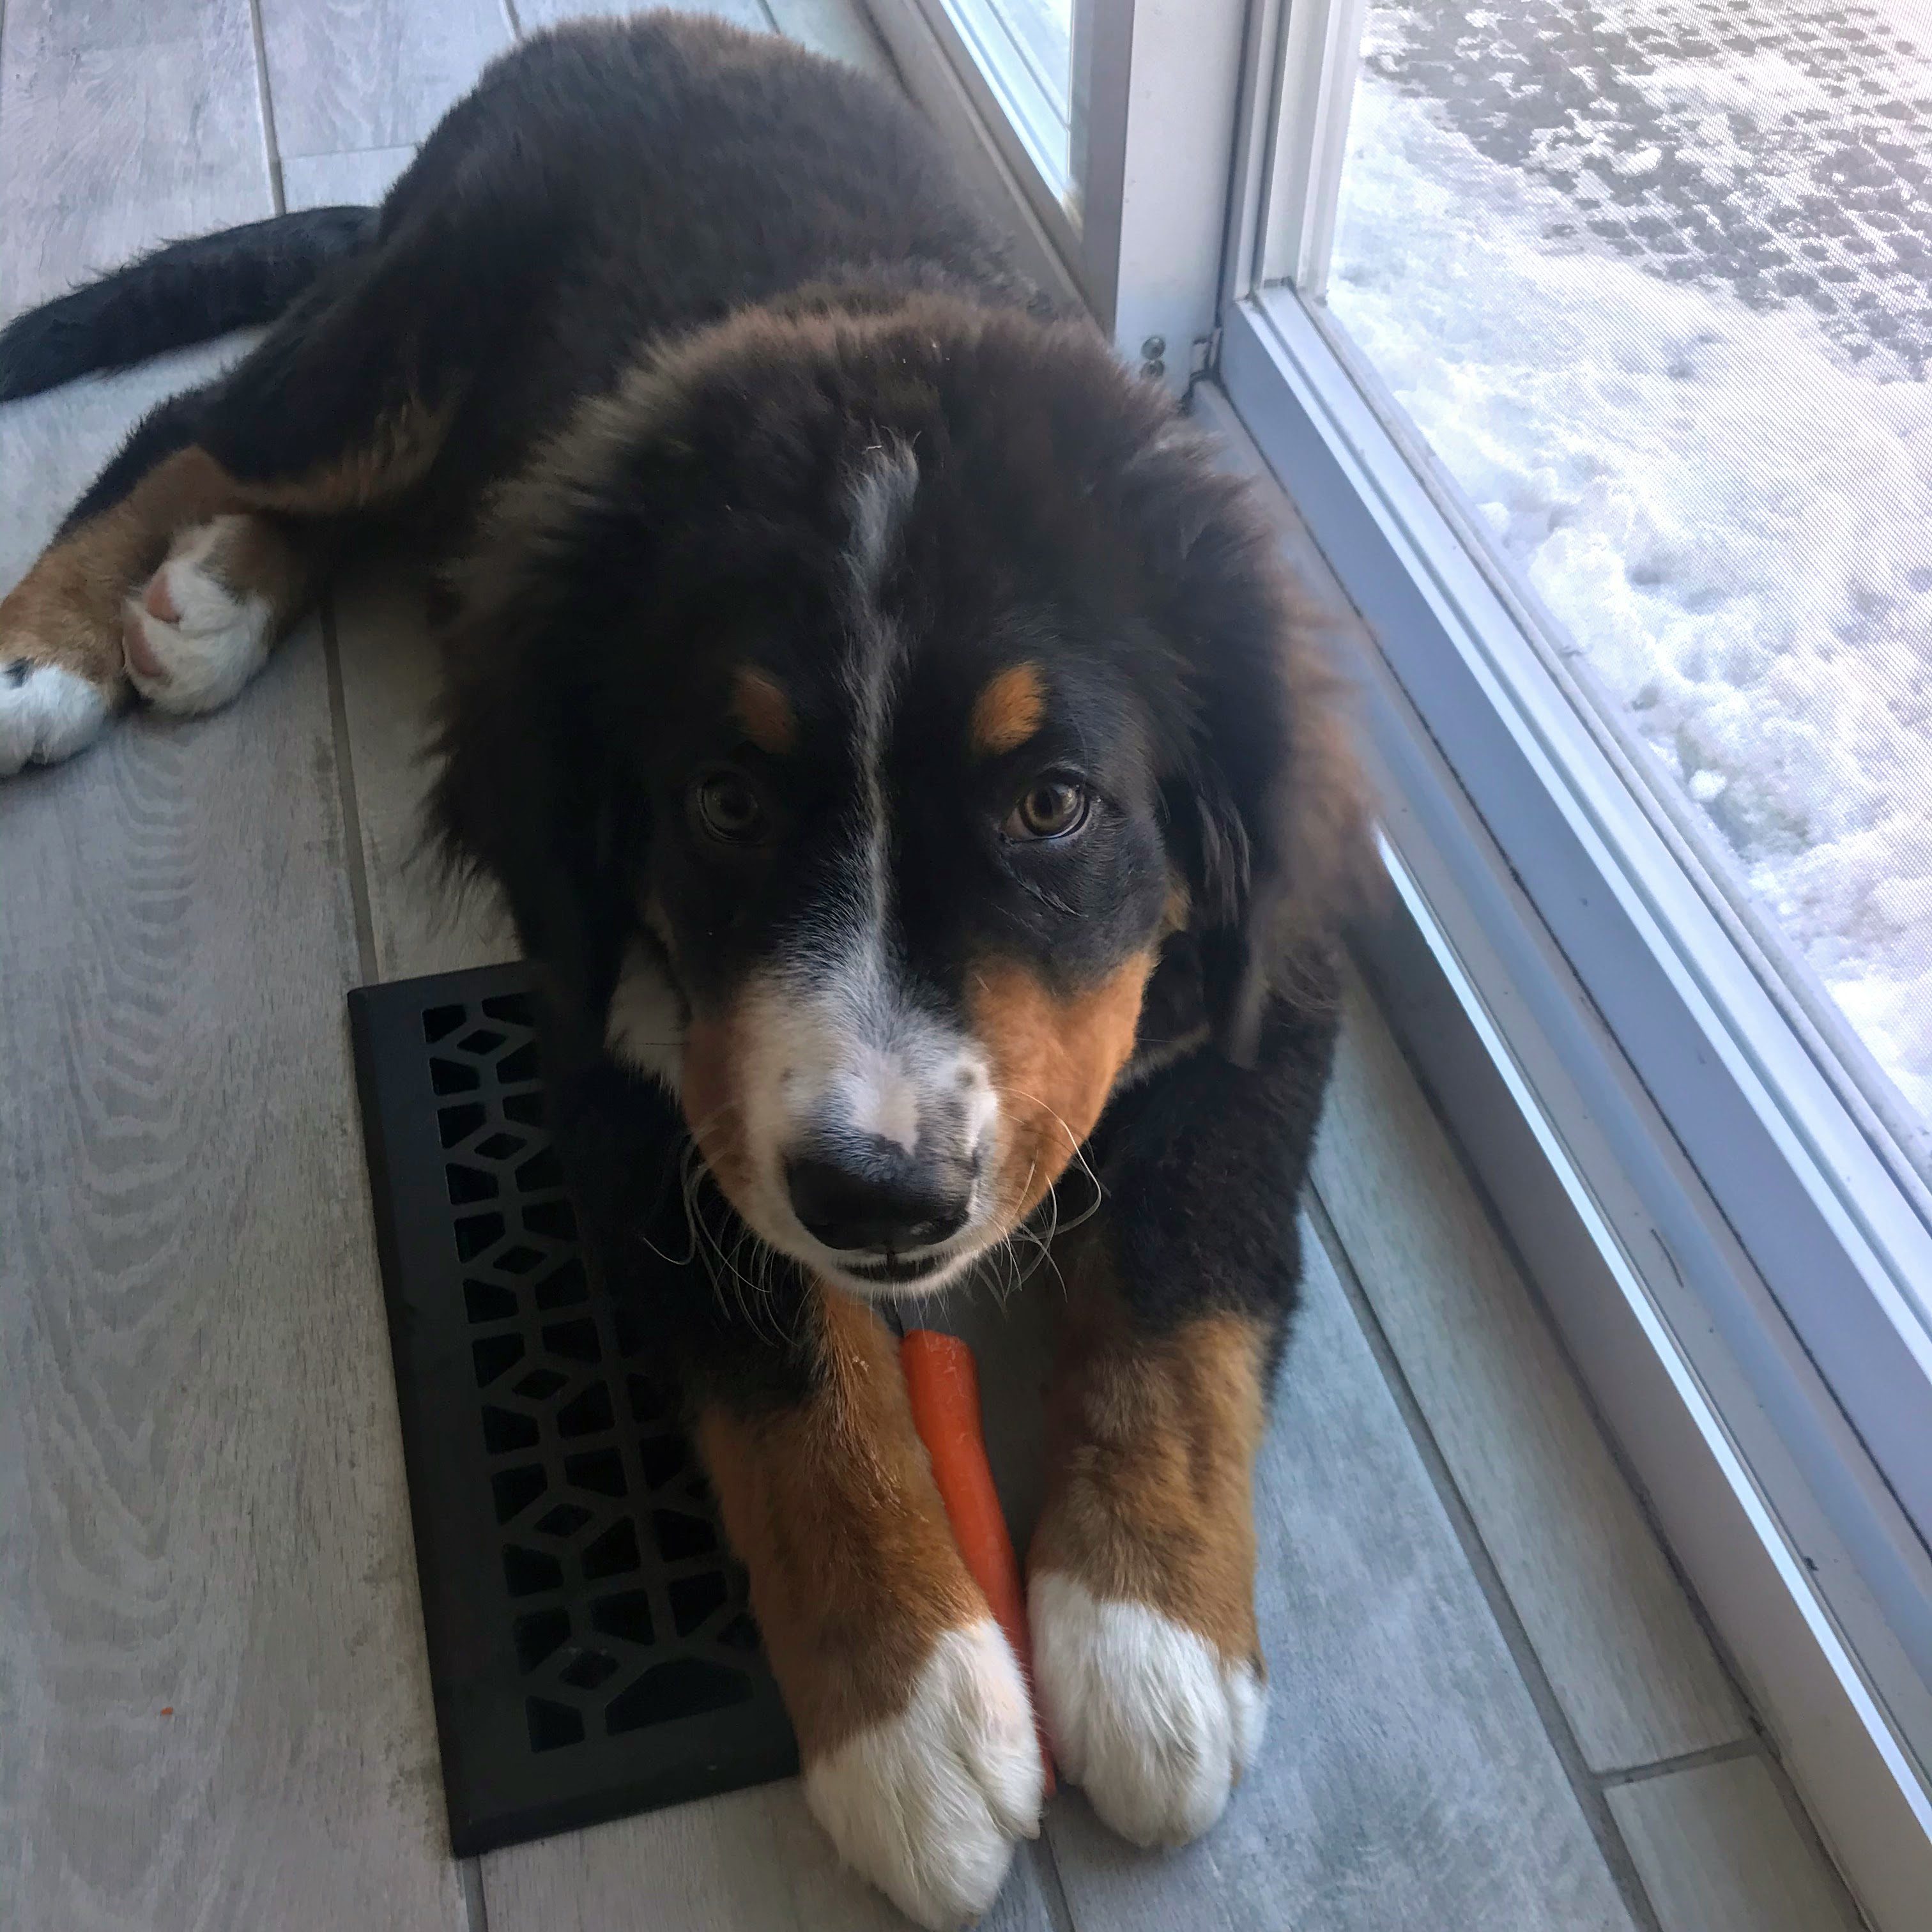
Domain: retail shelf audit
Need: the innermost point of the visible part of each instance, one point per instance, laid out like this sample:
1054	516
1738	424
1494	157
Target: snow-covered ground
1673	347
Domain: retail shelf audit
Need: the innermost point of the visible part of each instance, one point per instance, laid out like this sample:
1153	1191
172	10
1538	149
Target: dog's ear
1264	801
529	796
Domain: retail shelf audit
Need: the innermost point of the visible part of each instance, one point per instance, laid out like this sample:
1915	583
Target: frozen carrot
943	1382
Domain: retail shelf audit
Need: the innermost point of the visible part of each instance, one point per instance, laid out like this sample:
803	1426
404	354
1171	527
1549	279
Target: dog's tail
187	291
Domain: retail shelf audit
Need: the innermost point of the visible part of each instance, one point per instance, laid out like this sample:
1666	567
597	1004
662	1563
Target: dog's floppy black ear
528	796
1265	801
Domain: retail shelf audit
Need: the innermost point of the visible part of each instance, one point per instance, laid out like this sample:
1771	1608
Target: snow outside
1655	279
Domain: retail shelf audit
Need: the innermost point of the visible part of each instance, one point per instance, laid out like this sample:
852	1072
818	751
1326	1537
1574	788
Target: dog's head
852	706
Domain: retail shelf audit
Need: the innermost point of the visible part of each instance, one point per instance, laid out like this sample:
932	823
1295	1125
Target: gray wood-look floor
1493	1708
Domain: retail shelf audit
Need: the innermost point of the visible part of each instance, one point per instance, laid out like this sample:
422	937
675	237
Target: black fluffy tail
187	291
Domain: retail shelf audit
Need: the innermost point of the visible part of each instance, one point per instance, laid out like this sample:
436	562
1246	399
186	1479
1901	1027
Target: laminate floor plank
1406	1779
539	14
122	124
360	177
839	27
1719	1852
752	1861
1633	1669
213	1699
347	75
214	1708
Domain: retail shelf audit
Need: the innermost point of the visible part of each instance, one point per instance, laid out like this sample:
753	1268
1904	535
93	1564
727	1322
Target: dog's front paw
928	1804
1146	1716
47	712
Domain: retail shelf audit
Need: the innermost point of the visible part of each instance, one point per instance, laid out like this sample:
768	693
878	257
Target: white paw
1145	1716
190	642
927	1805
47	714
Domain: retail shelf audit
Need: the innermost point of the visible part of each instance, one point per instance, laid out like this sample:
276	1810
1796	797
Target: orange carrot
943	1381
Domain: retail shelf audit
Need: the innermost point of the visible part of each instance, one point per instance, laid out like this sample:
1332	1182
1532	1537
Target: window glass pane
1024	48
1653	280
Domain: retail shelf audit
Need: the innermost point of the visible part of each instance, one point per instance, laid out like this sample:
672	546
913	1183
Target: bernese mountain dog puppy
901	754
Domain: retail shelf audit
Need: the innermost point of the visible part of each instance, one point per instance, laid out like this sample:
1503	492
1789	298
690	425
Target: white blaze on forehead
851	992
879	496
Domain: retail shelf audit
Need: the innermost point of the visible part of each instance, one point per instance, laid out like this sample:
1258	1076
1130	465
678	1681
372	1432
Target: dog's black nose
876	1201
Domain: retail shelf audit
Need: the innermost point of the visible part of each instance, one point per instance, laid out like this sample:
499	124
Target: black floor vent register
589	1641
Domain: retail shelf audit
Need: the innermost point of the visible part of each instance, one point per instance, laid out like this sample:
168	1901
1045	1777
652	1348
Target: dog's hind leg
176	590
205	539
206	621
61	669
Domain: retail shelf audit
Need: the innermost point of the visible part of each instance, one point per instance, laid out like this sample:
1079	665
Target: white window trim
1024	95
1306	134
1145	254
992	161
1739	1271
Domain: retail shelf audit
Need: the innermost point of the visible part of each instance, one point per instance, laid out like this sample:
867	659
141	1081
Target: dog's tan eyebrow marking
766	712
1008	711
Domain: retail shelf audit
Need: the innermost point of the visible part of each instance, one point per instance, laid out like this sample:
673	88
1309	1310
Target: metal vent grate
589	1645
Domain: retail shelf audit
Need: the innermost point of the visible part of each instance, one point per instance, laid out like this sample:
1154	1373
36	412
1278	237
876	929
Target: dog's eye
727	809
1050	808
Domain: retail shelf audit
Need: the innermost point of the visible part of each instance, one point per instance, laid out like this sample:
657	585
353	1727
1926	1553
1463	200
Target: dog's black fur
760	262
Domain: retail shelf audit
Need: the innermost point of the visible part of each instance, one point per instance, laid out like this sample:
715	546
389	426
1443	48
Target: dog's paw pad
928	1804
190	641
47	713
1146	1716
